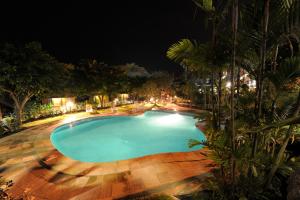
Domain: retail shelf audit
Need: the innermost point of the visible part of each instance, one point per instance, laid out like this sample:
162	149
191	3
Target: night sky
115	32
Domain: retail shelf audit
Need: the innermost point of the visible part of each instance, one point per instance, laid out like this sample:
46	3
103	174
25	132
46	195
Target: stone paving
39	171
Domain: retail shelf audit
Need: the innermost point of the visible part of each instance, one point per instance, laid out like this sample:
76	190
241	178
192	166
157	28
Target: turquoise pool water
105	139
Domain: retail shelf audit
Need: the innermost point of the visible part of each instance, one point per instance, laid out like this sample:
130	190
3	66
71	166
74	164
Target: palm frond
189	54
287	71
205	5
181	50
249	61
193	143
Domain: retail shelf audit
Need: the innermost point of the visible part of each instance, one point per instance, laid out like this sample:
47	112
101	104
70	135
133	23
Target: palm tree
258	44
286	72
196	58
257	54
289	70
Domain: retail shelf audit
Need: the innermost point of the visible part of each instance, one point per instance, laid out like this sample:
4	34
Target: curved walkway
39	171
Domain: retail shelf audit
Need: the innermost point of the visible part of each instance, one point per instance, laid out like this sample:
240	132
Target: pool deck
39	171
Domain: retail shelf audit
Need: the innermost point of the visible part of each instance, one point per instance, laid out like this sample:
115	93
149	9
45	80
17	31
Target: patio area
39	171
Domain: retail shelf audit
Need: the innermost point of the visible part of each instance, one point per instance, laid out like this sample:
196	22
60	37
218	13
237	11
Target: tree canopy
26	71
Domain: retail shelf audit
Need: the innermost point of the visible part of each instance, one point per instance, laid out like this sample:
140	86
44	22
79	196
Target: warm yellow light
69	105
56	101
88	108
70	119
228	84
124	96
252	84
63	109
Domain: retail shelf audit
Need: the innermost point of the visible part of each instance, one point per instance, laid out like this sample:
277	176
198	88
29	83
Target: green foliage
94	78
251	172
288	71
190	54
7	125
158	85
35	110
189	90
28	69
206	5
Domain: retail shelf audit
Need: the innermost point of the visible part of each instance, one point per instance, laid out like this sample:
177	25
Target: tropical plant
250	151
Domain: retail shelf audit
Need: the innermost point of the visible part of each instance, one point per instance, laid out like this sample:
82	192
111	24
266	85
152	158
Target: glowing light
63	109
228	84
252	84
243	76
69	105
169	119
88	108
56	101
70	119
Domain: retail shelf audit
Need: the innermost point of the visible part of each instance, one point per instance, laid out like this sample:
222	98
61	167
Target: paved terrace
39	171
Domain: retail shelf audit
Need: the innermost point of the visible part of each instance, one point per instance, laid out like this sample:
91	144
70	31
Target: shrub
7	124
35	111
80	106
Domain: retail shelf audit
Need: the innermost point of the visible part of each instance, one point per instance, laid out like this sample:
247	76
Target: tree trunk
259	88
238	85
18	113
263	57
273	106
204	97
219	99
19	107
208	99
232	68
283	147
297	7
213	101
274	62
101	97
102	101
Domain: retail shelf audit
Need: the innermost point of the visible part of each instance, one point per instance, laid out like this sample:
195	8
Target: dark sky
114	32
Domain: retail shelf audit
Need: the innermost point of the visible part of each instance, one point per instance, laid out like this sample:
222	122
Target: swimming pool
105	139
